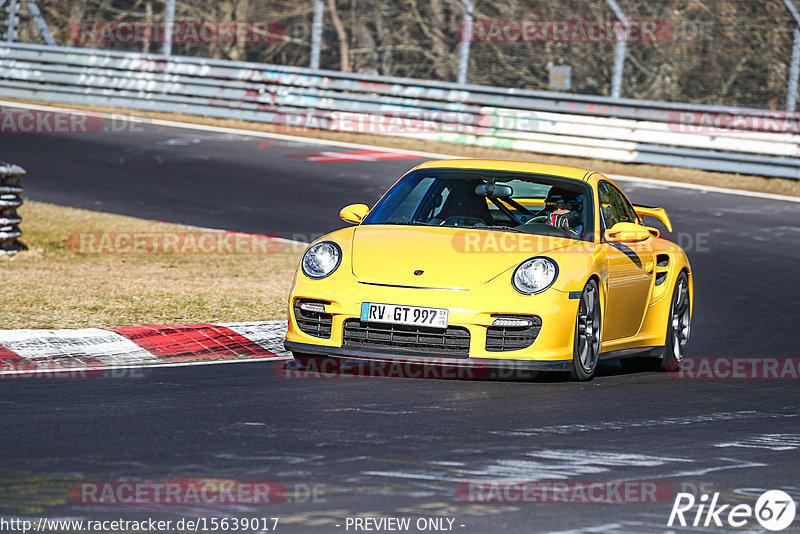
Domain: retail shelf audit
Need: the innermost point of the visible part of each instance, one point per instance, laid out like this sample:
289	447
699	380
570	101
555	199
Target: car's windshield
491	200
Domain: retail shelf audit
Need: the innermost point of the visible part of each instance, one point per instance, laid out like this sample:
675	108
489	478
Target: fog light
511	322
313	307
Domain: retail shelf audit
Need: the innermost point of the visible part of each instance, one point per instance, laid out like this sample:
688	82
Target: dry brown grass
53	286
718	179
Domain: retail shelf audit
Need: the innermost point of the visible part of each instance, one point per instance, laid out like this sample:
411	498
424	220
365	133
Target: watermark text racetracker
69	368
65	121
573	492
738	368
511	242
193	491
95	32
734	122
402	122
575	31
433	368
197	242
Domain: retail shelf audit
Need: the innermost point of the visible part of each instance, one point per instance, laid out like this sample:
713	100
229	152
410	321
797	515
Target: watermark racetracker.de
738	368
184	242
401	122
177	492
194	491
565	31
94	32
560	491
734	122
510	242
68	368
433	368
66	121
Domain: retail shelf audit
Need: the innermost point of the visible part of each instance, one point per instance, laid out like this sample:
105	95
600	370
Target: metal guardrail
763	143
10	200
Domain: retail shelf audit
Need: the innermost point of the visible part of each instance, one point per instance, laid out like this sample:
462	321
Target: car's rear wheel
588	326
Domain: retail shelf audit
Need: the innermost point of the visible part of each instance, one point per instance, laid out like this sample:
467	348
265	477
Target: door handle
649	267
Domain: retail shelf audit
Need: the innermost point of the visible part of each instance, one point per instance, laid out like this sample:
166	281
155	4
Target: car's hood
447	257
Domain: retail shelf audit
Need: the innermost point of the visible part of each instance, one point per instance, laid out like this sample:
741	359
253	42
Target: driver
562	209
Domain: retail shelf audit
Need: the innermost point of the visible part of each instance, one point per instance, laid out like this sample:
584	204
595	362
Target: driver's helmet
562	198
558	198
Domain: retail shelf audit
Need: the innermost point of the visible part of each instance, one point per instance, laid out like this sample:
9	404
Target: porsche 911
495	263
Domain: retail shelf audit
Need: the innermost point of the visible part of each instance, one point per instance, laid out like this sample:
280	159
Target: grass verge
63	282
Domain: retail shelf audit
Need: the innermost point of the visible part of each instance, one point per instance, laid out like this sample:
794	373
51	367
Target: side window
614	206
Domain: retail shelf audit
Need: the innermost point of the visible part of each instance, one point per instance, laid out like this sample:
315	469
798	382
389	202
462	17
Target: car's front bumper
473	310
403	357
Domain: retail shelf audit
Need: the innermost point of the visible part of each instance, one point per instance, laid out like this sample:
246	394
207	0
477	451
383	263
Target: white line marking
645	423
734	464
430	155
773	442
156	363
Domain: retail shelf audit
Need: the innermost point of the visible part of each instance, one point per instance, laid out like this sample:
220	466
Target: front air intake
310	321
520	336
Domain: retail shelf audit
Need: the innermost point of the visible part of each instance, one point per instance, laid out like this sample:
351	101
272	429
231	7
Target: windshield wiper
501	228
406	223
418	223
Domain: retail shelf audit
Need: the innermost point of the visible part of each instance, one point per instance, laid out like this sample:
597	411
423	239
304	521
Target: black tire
678	325
588	331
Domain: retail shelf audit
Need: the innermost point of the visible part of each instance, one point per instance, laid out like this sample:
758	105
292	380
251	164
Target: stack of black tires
10	200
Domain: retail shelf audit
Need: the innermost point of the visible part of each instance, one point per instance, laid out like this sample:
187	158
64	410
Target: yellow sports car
495	263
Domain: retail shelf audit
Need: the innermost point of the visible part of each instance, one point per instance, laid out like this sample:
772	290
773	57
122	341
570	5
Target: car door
630	268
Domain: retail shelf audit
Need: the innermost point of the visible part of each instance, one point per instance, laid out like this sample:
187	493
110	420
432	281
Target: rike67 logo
774	510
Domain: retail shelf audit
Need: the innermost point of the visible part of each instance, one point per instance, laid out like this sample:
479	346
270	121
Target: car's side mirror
354	213
626	232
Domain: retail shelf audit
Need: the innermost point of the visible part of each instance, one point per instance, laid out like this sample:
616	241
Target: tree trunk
344	49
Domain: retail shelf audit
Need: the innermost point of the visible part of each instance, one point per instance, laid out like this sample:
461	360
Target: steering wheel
463	222
547	229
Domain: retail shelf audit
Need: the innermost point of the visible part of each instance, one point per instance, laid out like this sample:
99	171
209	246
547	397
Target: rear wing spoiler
658	213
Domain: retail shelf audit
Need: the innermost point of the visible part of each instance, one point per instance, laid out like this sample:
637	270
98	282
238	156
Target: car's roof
501	165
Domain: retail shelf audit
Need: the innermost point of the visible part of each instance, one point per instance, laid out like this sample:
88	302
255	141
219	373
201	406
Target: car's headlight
534	275
321	259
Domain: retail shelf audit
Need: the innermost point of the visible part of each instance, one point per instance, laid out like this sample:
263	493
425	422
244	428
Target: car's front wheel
588	326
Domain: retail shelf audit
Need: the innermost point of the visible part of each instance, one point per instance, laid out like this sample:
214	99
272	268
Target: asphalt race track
401	447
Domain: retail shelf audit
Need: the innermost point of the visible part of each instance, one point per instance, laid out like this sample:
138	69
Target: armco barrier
682	135
10	200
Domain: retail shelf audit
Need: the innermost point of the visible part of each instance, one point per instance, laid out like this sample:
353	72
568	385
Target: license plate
398	314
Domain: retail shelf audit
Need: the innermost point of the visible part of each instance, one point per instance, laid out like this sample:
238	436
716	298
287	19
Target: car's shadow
342	368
